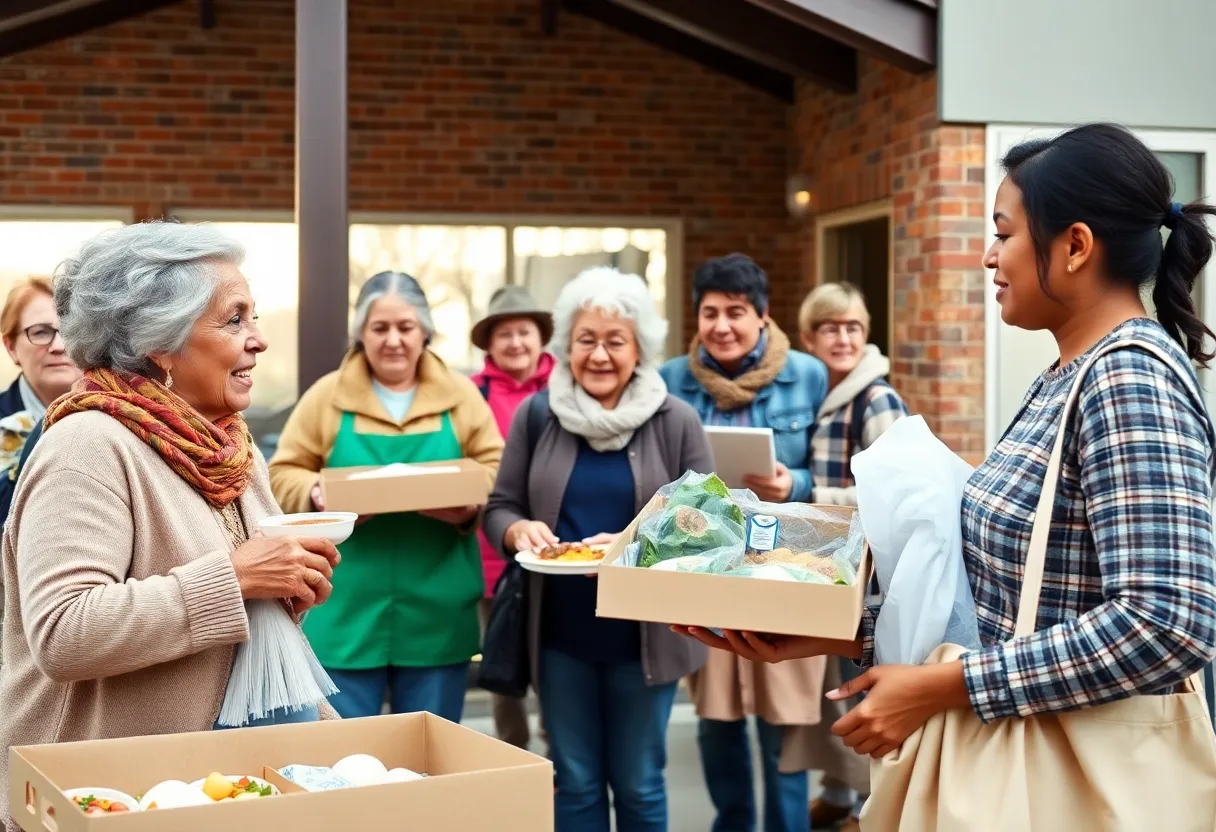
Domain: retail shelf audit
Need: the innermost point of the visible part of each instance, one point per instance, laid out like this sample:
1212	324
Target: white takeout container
339	526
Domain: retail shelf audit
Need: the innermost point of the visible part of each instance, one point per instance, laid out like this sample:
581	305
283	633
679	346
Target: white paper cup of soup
334	526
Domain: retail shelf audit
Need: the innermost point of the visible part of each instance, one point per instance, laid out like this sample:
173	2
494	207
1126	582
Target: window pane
547	258
458	266
37	247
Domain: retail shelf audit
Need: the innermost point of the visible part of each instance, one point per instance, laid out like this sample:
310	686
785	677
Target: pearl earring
1070	268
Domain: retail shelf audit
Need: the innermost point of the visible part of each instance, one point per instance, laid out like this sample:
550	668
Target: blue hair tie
1172	215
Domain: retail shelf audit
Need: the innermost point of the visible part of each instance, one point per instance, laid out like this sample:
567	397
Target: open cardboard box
730	603
475	782
468	485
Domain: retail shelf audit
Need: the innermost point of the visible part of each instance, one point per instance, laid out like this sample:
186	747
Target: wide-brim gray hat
511	302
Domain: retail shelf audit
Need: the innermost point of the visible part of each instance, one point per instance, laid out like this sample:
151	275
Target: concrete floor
688	803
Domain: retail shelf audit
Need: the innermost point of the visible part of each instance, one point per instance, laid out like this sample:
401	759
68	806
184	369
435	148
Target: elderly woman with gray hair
611	437
402	621
137	601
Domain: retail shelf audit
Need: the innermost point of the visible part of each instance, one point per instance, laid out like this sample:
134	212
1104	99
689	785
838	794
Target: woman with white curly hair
609	437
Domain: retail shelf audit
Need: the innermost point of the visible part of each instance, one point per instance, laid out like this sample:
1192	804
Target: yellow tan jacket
313	426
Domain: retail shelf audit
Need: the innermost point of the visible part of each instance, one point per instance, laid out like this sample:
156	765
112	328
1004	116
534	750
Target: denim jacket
789	406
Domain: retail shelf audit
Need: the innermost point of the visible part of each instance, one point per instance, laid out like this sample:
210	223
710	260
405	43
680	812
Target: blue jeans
439	690
607	729
726	759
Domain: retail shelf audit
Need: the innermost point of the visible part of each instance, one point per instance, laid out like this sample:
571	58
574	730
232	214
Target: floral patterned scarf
215	458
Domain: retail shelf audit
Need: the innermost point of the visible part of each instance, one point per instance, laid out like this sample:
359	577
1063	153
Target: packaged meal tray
702	526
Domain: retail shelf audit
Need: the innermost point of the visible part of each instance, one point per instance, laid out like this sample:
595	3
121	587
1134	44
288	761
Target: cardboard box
730	603
476	782
468	485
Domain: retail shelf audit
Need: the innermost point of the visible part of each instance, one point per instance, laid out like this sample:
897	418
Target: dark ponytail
1103	176
1187	250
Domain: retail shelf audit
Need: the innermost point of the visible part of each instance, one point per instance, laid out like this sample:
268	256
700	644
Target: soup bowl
334	526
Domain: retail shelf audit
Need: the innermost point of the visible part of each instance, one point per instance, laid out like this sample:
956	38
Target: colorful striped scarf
215	458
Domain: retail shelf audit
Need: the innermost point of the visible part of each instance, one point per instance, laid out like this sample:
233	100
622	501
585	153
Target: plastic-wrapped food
678	531
701	526
698	518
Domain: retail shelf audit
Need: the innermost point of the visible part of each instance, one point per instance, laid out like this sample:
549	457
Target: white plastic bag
909	494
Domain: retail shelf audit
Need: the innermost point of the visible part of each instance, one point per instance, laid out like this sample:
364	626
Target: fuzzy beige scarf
733	393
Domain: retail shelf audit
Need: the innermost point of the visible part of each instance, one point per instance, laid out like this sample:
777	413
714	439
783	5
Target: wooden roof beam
901	32
758	36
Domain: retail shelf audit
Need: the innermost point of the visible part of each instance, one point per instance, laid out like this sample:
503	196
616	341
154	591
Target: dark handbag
504	668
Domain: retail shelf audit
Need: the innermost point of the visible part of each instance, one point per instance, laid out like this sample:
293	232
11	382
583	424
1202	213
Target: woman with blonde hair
30	329
834	325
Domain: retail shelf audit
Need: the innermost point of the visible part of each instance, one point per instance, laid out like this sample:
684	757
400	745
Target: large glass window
547	257
459	265
34	243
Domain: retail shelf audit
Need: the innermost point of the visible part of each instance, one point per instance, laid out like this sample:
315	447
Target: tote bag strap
1036	557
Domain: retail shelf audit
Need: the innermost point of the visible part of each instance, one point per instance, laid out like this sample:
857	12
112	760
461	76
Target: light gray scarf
606	430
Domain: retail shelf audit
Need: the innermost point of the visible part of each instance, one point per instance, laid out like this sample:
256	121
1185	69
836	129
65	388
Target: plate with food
102	801
221	787
563	559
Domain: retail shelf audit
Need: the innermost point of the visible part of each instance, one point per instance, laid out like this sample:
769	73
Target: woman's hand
899	700
286	567
601	539
770	649
452	516
772	489
318	504
529	535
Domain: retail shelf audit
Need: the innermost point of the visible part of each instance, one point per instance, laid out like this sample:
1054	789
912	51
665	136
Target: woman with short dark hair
741	372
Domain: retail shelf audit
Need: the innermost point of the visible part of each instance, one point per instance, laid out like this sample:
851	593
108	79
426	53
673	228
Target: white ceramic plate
338	525
198	784
533	563
113	795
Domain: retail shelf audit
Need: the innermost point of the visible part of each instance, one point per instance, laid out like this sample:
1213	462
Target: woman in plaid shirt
834	325
1129	592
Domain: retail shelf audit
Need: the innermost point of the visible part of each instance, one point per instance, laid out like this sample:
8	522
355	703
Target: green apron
406	592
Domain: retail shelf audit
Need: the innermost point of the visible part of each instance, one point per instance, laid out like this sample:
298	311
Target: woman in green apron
402	621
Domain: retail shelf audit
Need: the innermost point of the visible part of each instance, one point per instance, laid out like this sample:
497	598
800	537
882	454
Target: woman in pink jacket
513	335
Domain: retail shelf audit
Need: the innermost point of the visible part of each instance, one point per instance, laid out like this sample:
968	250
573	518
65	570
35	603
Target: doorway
854	245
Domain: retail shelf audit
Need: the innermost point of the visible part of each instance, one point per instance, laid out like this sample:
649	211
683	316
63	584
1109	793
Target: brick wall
455	106
885	142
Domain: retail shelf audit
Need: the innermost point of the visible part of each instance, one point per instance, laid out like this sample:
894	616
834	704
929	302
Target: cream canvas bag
1145	762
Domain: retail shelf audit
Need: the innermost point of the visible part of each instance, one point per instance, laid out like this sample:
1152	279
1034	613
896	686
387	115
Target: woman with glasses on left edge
31	335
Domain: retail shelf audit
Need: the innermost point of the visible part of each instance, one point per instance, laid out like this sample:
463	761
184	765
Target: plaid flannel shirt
1128	603
831	450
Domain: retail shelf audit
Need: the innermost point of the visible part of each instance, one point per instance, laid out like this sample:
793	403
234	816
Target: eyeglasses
41	335
849	328
612	346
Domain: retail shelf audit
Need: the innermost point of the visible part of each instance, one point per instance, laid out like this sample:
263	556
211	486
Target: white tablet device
742	451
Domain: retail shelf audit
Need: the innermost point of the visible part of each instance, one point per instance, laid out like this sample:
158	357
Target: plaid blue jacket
1129	592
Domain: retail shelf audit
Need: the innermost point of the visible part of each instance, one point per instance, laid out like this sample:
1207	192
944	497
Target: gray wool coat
666	446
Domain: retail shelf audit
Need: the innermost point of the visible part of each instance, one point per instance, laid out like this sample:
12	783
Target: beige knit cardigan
123	608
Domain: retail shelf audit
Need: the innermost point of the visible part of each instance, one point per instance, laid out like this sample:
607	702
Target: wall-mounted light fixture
799	199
